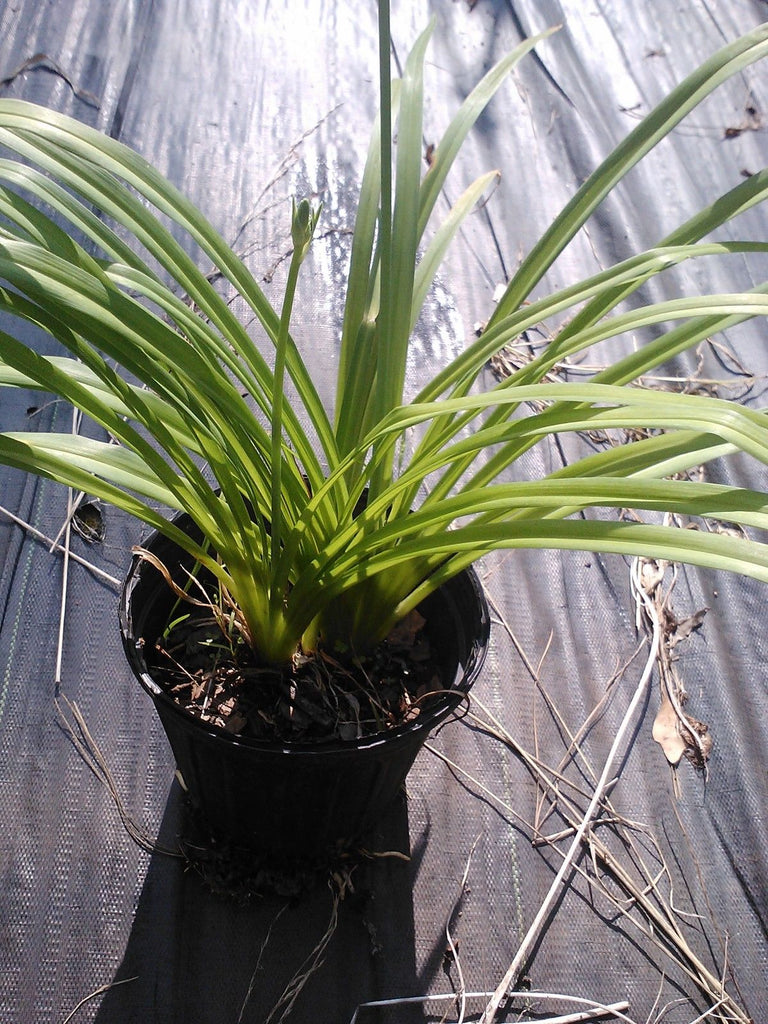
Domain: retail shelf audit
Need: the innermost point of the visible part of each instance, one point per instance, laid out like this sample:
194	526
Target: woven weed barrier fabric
243	105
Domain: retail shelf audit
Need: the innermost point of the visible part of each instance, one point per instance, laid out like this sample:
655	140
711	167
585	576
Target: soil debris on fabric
241	874
320	697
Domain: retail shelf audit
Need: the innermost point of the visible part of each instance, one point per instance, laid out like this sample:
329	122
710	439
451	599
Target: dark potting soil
320	697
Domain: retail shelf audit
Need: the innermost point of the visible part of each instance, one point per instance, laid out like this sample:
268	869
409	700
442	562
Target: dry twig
645	906
54	546
593	1009
509	979
339	885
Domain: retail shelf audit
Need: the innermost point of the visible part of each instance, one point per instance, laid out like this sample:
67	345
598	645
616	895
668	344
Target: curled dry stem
223	613
94	995
339	885
89	751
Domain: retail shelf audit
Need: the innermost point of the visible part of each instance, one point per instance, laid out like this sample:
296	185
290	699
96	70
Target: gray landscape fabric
244	104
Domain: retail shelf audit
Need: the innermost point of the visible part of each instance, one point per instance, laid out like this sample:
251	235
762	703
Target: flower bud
303	222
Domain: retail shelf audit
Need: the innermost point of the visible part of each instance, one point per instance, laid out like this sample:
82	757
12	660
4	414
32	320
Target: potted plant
307	598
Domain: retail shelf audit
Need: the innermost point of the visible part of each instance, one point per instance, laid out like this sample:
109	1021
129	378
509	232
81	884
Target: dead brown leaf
666	732
405	632
684	627
680	735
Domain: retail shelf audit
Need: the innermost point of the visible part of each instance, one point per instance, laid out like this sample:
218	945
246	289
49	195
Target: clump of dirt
323	696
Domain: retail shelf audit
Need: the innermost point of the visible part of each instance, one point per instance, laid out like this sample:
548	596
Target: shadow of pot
297	801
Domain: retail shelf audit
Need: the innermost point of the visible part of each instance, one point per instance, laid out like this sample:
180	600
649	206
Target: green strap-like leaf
464	120
92	164
728	61
441	240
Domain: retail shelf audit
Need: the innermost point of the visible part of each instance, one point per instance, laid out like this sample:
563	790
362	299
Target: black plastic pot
297	801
